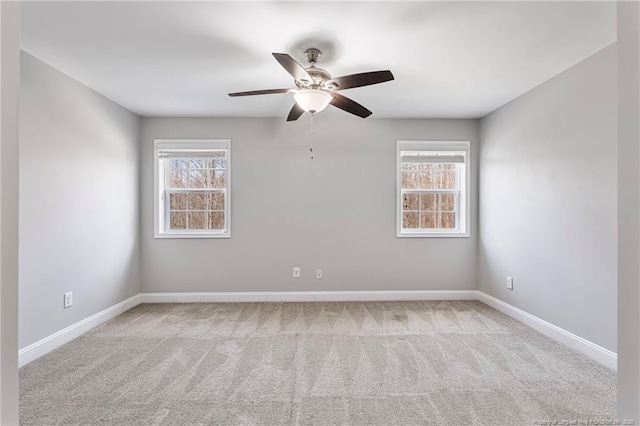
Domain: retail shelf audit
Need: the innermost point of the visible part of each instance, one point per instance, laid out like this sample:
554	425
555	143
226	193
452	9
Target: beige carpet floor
382	363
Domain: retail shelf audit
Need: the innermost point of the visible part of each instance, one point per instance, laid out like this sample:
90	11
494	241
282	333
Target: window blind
433	158
169	154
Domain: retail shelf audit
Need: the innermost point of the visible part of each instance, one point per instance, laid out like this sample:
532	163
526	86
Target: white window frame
463	215
161	203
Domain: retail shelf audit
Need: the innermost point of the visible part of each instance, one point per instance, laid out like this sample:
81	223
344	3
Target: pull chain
311	148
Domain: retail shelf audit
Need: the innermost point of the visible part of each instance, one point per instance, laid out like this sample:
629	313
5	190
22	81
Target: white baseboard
308	296
590	349
49	343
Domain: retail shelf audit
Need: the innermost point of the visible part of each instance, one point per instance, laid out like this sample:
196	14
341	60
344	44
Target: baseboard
590	349
49	343
308	296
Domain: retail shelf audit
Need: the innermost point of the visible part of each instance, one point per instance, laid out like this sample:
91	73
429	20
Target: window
432	188
193	184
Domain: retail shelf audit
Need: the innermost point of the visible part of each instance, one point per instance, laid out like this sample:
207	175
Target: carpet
369	363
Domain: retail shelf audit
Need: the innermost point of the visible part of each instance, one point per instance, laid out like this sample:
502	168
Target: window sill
434	235
188	236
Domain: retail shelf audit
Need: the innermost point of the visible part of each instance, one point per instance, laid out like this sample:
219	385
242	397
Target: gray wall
548	207
336	212
9	110
629	210
79	181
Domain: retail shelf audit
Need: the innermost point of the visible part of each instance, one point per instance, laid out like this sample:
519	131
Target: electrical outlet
510	283
68	299
319	274
296	272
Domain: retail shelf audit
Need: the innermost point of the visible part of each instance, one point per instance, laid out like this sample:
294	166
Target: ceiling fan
316	88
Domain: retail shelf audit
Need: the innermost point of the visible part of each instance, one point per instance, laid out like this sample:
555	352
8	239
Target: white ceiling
450	59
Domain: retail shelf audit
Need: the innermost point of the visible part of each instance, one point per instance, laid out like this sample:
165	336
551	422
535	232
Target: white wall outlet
296	272
510	283
319	274
68	299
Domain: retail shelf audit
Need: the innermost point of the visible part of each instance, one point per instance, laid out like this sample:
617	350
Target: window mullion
167	209
421	191
438	209
456	205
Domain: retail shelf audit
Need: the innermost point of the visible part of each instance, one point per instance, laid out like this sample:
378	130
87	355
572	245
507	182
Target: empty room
320	213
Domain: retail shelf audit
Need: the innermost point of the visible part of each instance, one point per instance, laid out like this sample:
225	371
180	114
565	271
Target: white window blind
192	154
432	158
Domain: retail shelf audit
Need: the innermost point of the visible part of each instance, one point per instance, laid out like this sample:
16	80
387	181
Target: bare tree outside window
425	207
195	200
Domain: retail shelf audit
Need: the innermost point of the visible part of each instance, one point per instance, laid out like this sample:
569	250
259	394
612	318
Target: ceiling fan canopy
316	89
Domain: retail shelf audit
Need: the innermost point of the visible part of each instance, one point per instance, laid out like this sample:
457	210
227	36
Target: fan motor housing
319	76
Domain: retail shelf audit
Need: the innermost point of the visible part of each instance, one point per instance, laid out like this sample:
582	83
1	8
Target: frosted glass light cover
312	100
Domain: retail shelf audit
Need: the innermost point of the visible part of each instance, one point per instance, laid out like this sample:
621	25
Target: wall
629	210
548	214
9	110
79	214
336	212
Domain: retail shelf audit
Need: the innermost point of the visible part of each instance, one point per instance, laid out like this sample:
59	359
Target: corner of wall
90	244
139	120
536	153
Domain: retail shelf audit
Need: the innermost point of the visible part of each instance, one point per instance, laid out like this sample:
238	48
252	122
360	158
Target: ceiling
450	59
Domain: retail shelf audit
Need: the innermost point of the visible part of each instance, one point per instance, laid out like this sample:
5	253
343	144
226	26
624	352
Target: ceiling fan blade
349	105
362	79
261	92
295	69
295	112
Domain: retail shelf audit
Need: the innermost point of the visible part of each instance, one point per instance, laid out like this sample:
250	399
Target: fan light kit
316	89
312	100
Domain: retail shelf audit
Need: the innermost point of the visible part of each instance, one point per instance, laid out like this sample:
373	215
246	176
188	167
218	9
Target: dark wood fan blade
349	105
362	79
295	69
261	92
295	113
